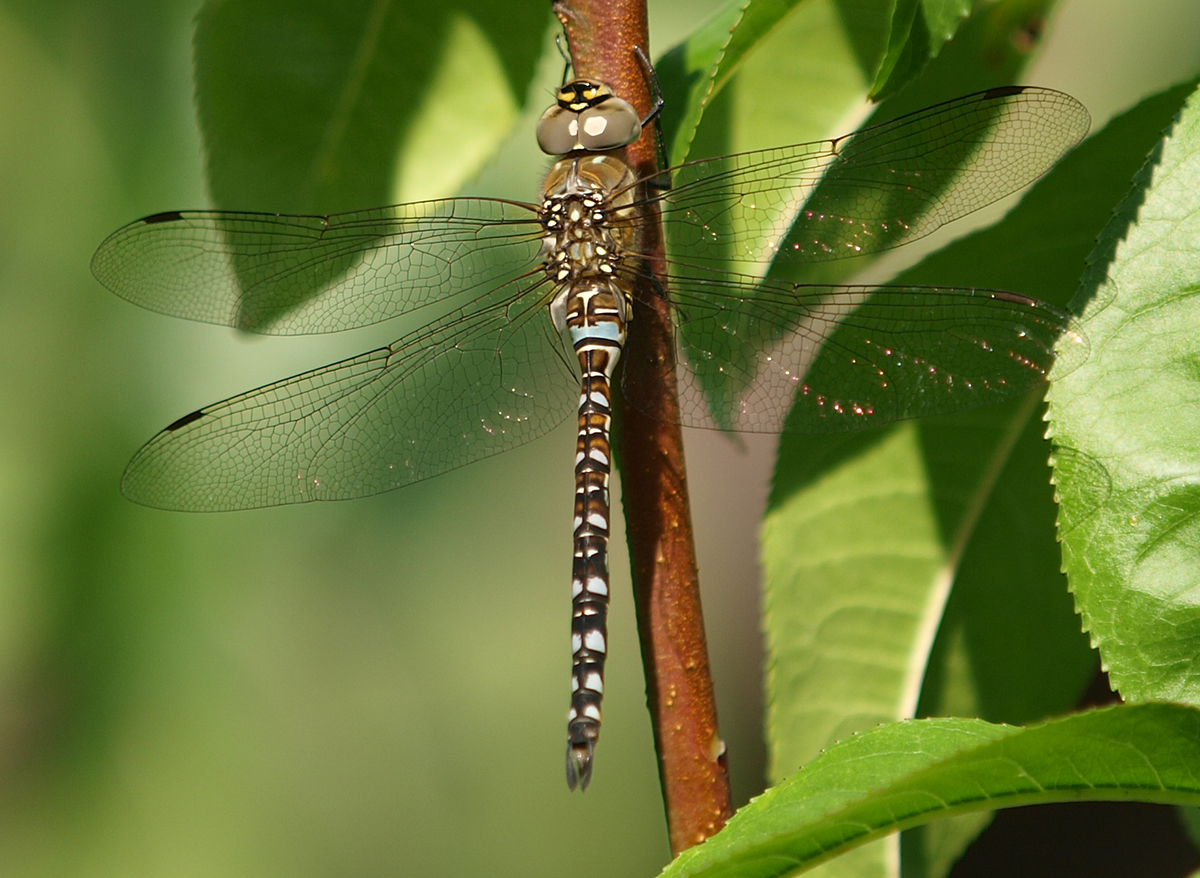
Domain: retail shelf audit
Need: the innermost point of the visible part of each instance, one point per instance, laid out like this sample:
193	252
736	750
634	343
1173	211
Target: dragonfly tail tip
579	763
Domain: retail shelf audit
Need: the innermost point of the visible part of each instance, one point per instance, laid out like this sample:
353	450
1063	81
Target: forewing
870	191
289	275
774	356
467	386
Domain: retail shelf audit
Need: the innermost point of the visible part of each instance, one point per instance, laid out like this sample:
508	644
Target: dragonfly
531	303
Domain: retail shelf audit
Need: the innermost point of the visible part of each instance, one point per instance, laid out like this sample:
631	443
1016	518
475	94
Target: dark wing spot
186	419
1006	296
1004	91
169	217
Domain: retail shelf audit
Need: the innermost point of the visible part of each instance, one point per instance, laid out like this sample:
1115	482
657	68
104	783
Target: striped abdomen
596	323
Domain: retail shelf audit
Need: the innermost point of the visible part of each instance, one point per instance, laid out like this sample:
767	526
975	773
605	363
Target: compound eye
609	125
554	131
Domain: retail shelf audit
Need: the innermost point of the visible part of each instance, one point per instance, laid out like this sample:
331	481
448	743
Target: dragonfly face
756	350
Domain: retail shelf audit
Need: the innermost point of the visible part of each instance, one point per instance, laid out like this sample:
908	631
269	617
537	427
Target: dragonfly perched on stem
534	300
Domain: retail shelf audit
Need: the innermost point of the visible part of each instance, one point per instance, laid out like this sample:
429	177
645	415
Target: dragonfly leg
566	59
655	88
662	182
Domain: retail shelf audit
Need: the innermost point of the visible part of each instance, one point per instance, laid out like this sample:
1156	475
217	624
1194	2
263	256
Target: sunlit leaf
909	773
1128	426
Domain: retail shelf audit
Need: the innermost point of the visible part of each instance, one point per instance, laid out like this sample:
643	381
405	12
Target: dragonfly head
577	96
588	117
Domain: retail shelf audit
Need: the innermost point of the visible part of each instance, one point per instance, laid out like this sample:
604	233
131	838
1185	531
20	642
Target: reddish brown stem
602	36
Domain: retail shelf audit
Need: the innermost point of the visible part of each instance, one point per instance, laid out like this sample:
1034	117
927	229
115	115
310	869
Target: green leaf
983	56
807	712
919	30
802	66
310	107
1008	646
1007	626
909	773
866	533
990	49
1128	426
801	581
315	108
693	72
807	79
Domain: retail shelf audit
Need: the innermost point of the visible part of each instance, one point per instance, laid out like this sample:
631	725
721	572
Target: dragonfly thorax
585	214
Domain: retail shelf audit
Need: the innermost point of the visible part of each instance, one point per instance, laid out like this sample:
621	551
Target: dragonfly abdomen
595	322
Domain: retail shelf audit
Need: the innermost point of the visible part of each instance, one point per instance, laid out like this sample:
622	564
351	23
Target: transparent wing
869	191
291	275
773	356
467	386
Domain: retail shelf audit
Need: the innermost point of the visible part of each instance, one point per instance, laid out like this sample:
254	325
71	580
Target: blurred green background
366	688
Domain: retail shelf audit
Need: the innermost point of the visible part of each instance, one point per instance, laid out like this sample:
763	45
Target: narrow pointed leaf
919	30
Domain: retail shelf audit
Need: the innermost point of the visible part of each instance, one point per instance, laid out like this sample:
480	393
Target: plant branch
602	36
